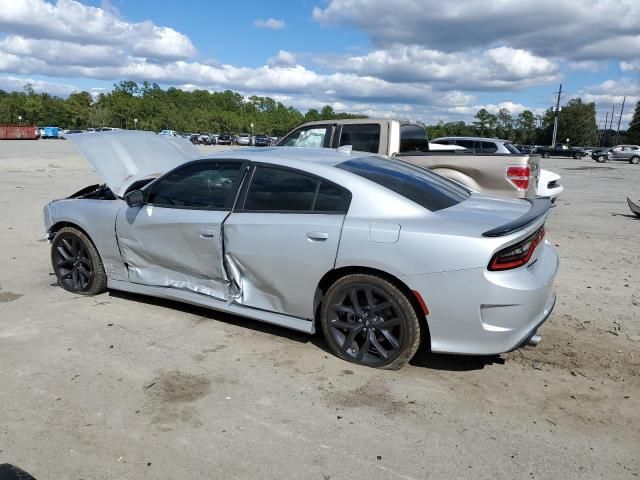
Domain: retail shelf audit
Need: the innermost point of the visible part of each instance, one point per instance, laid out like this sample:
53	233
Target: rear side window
413	138
416	184
364	138
316	136
512	148
465	143
489	147
281	190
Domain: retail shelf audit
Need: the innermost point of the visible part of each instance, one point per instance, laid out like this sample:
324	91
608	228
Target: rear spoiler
539	206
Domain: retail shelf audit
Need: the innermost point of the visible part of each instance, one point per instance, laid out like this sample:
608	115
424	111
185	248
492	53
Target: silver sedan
379	254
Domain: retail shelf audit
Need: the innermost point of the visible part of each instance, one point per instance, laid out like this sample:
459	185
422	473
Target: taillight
517	255
519	176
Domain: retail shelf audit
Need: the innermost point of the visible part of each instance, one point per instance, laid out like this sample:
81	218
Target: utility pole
555	121
613	109
620	119
604	132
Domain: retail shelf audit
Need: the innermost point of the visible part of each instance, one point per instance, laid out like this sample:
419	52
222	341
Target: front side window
315	136
425	188
281	190
413	138
363	138
201	185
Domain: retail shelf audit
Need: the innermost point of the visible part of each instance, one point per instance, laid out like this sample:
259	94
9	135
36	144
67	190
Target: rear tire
634	160
77	263
545	154
369	321
577	156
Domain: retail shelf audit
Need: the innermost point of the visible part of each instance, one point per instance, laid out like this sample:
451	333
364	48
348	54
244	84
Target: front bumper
480	312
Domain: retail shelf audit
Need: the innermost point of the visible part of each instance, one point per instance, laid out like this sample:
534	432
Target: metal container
15	132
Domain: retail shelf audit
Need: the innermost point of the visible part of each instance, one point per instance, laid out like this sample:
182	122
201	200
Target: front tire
634	160
545	154
577	156
369	321
77	263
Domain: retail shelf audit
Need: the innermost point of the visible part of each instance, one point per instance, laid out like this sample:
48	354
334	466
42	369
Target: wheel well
332	276
60	225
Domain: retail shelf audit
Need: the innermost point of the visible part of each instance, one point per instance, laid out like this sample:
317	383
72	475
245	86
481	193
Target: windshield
425	188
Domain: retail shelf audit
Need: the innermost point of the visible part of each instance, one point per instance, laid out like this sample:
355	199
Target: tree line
202	111
146	106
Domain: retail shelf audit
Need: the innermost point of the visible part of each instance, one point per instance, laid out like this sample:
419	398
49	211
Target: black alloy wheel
369	321
76	263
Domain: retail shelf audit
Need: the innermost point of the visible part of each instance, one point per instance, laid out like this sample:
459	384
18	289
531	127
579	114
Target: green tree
485	123
633	132
577	122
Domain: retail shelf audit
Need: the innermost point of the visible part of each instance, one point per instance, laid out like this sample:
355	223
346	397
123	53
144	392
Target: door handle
317	236
206	233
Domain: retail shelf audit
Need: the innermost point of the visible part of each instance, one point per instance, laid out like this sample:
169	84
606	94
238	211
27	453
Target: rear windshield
425	188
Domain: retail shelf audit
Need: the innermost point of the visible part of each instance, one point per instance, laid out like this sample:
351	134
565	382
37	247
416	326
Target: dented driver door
282	238
175	239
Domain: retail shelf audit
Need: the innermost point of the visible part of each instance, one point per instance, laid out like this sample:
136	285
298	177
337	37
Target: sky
428	60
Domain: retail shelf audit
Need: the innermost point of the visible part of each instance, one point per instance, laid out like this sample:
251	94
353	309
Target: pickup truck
561	150
512	175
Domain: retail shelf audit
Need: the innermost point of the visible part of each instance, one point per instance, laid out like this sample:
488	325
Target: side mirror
134	198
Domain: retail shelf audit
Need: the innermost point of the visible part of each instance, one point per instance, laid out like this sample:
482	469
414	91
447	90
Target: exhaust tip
535	340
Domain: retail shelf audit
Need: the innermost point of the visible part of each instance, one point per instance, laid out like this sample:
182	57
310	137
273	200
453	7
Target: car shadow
453	362
424	358
210	314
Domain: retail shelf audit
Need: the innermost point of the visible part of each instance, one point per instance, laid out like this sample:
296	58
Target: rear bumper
480	312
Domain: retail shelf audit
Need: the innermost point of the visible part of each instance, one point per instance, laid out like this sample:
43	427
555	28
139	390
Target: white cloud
72	21
496	68
611	93
13	84
572	29
271	23
633	66
282	59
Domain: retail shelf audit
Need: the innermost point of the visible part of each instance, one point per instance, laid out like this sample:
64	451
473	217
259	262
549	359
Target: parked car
377	253
561	150
549	185
50	132
224	139
106	129
512	175
243	139
627	153
214	138
262	141
204	140
479	144
193	138
168	133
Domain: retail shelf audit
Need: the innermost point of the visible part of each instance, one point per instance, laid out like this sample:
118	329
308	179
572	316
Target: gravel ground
120	386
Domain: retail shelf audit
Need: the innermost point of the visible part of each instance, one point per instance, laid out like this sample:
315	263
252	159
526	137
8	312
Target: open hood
122	157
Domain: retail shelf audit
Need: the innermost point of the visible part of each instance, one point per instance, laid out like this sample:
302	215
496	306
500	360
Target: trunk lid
122	157
497	217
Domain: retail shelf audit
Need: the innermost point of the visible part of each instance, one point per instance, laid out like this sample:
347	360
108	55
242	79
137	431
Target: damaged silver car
379	254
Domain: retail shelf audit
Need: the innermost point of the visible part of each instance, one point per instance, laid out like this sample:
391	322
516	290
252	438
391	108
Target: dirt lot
125	387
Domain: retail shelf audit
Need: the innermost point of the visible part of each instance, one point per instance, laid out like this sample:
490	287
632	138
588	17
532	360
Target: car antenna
345	149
